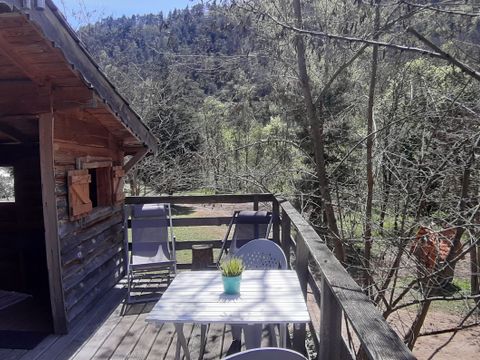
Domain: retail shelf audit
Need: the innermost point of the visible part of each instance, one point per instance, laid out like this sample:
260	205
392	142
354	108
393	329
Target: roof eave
57	30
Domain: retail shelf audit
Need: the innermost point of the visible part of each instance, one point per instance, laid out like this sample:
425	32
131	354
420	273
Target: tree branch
437	9
347	38
444	331
435	298
445	56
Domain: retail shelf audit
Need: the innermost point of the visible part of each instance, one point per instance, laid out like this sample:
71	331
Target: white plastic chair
267	353
260	254
153	244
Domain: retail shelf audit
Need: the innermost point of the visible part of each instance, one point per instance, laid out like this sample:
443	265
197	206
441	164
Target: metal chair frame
146	270
234	221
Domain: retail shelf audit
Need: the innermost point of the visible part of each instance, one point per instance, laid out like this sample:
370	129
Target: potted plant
231	269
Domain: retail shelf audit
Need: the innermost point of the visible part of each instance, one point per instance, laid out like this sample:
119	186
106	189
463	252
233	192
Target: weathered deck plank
11	354
41	348
218	342
118	334
79	336
96	340
162	342
133	335
62	347
147	340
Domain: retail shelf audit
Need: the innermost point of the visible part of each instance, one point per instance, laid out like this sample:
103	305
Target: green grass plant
232	267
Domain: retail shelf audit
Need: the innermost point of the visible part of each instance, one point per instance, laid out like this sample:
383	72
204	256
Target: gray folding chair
153	246
267	353
247	225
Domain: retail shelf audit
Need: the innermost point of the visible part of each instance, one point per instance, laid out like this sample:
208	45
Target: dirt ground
465	344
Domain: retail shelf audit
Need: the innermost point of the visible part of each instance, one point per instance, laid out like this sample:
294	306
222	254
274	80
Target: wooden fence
338	296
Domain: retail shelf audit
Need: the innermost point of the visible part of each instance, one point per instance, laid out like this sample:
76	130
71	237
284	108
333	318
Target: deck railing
339	298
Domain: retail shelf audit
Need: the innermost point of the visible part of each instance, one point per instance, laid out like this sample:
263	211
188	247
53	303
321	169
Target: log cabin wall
92	249
45	70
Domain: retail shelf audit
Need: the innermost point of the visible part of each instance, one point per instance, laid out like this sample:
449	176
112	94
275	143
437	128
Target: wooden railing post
330	325
301	266
276	221
255	202
286	230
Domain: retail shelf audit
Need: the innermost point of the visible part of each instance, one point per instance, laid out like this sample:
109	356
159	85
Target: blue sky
93	10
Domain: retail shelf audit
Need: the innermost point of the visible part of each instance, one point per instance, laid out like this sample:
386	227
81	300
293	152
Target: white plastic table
266	297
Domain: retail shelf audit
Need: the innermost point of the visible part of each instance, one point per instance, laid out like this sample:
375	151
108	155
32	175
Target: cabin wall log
98	283
91	248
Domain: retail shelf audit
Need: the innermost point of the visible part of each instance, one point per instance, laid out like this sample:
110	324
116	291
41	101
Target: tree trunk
316	129
387	185
134	186
462	214
474	270
367	235
412	334
475	253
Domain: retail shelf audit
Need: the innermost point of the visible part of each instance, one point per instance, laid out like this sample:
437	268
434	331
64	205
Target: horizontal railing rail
254	199
335	292
202	199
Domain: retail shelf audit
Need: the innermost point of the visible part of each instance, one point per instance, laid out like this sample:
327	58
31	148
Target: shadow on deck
113	330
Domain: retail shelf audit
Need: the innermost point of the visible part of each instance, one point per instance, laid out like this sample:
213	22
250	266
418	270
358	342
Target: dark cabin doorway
23	263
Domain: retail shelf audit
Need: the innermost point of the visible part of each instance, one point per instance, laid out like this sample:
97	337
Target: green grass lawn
199	233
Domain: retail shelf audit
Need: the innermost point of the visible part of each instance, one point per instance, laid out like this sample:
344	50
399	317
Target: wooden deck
110	331
115	331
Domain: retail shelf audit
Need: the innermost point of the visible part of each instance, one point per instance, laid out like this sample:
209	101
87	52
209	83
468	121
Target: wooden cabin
67	133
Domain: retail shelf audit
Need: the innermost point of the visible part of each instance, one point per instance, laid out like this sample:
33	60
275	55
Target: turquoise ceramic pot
231	285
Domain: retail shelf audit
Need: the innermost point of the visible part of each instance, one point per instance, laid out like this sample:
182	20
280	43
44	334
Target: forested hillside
365	113
203	82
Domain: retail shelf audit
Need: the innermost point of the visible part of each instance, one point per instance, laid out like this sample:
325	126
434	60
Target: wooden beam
26	97
13	133
276	221
8	51
50	220
92	162
285	240
200	199
135	159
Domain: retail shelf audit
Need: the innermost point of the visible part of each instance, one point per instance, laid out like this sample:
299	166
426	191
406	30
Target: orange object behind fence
432	246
